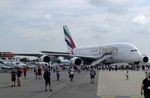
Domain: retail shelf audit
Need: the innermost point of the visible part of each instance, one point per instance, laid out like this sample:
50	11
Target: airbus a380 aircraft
107	54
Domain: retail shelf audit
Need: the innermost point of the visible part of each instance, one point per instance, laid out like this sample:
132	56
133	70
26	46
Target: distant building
5	55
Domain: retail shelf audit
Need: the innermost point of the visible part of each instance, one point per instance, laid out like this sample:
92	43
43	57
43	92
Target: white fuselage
120	52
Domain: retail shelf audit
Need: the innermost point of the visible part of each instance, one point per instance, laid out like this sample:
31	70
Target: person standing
145	88
58	73
92	74
71	73
25	71
36	72
39	72
19	73
13	77
146	71
47	78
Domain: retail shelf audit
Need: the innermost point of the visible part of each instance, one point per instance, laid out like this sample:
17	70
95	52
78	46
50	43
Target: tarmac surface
107	84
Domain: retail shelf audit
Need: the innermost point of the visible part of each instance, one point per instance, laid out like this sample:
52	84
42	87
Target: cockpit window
133	50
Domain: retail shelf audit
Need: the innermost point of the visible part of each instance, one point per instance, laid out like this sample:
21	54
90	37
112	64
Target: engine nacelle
75	61
145	59
44	58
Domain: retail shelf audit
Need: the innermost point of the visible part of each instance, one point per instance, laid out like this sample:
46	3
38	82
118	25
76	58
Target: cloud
39	23
110	2
141	19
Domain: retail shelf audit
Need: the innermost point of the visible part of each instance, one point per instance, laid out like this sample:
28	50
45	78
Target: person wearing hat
145	88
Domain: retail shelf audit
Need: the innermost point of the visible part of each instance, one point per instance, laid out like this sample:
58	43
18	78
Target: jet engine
145	59
75	61
44	58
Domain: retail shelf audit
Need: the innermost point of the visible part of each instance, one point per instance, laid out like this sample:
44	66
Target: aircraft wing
43	53
65	54
28	54
86	59
90	59
4	66
52	53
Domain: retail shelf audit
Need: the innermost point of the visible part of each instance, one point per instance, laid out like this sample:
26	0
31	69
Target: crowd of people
44	72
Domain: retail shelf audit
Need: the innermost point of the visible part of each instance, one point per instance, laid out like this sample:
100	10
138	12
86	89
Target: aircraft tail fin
68	39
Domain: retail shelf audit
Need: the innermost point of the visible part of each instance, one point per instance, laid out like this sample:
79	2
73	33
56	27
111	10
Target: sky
29	26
